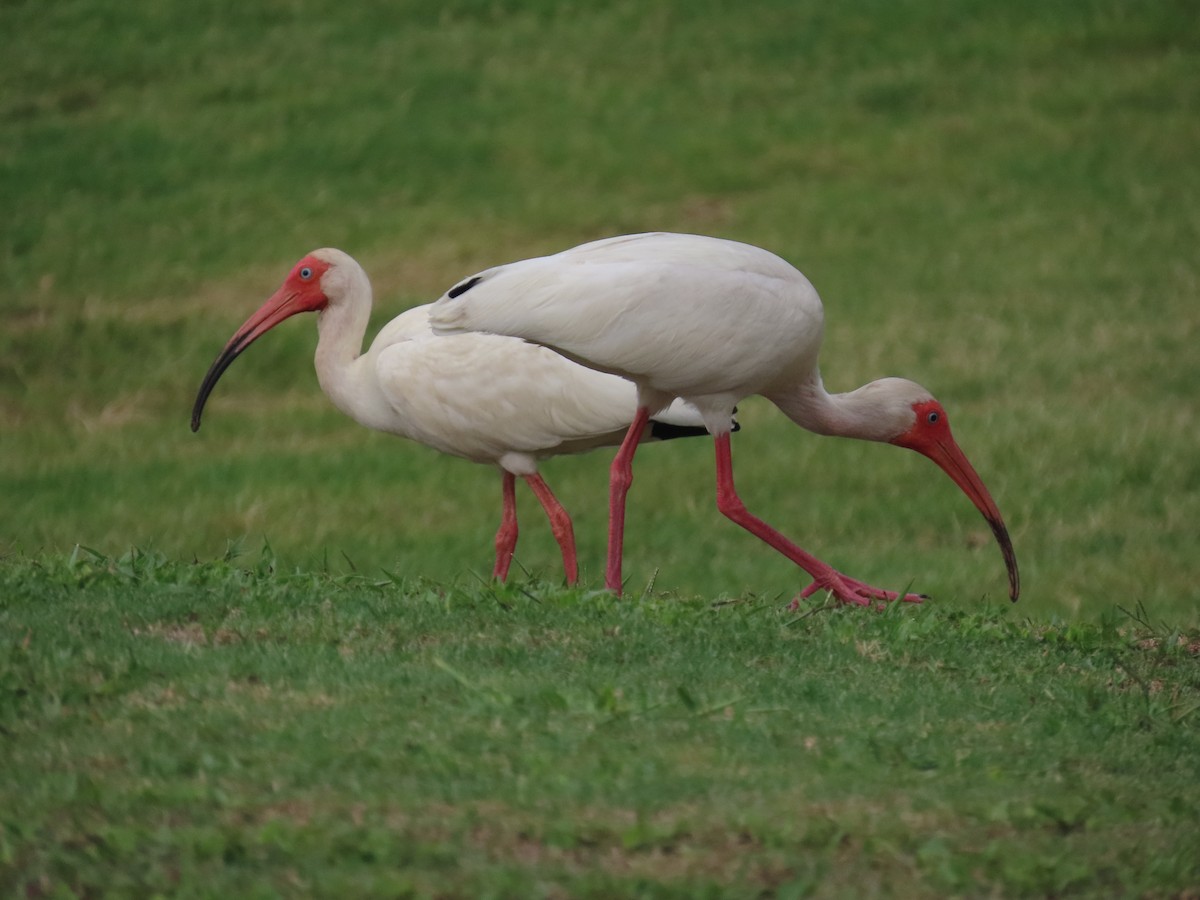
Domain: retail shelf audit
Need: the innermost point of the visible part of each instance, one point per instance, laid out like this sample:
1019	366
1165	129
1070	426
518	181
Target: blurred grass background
995	199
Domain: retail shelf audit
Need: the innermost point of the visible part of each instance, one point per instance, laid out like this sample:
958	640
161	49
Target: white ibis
710	321
482	397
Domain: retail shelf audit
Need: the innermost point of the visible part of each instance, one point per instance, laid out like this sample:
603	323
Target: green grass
993	198
988	195
208	729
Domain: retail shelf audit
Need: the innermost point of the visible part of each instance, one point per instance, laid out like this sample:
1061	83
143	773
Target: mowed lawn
204	729
264	659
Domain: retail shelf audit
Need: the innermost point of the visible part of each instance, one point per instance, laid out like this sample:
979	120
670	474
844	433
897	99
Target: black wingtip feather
463	287
665	431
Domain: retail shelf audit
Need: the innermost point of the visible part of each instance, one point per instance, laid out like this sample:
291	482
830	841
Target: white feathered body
739	320
482	397
490	399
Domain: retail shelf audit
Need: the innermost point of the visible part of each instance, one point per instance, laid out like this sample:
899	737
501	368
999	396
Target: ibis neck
855	414
340	328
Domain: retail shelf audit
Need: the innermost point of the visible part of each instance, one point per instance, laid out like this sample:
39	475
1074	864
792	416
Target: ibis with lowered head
711	321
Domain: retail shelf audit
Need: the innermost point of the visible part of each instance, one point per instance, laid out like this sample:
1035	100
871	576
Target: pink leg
506	536
560	524
620	478
825	577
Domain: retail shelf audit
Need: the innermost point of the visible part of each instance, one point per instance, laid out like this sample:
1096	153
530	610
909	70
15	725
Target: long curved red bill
953	462
283	304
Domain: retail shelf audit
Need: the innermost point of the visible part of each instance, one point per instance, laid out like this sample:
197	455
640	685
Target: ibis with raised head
485	398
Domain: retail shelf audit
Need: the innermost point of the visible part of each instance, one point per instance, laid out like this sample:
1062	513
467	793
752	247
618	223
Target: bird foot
851	592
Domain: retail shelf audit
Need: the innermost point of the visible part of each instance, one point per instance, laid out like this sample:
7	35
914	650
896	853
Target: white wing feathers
615	290
483	396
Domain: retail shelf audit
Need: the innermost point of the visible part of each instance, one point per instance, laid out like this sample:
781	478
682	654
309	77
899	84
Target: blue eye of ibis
306	273
932	418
